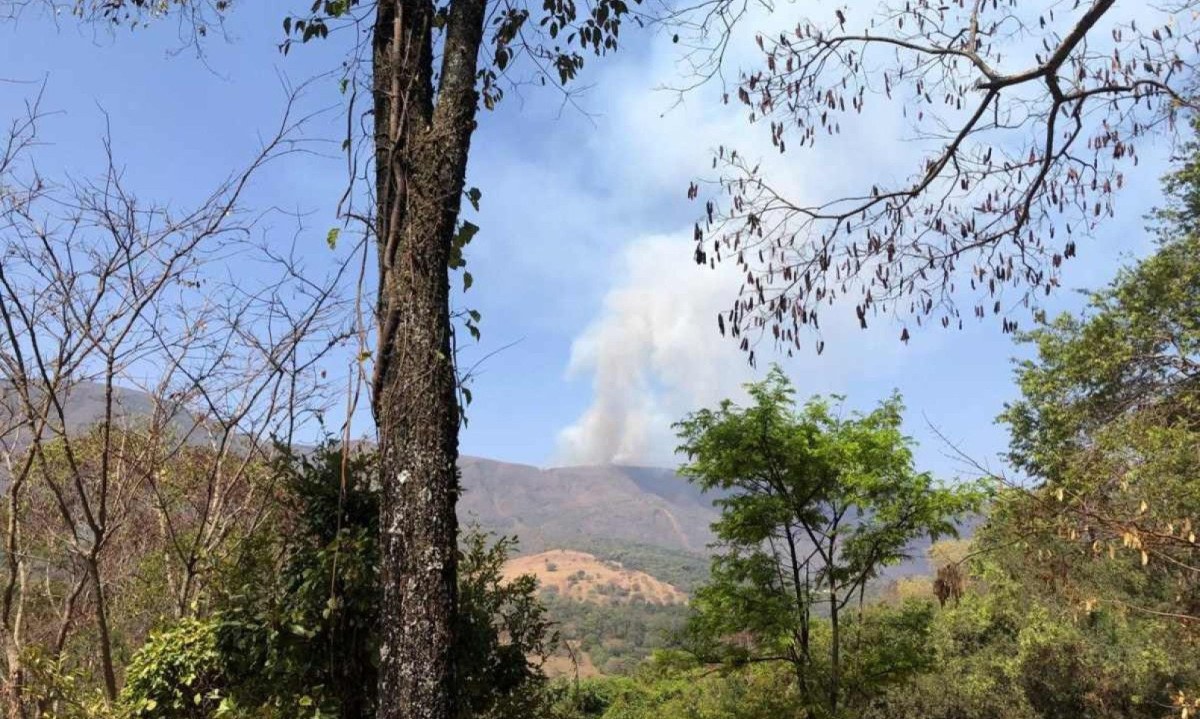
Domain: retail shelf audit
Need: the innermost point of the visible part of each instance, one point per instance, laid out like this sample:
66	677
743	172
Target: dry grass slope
572	663
586	578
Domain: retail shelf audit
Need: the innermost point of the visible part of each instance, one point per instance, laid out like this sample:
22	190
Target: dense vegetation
616	638
289	625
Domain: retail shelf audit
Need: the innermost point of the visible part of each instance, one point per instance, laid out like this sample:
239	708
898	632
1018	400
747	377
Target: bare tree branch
1028	111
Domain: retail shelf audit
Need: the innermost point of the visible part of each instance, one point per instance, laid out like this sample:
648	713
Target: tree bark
835	634
102	630
800	589
835	646
12	608
422	143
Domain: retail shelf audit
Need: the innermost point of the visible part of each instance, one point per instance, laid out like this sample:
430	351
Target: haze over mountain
84	406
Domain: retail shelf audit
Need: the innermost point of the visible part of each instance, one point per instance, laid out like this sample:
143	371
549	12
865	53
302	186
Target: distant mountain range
544	507
611	511
84	407
572	507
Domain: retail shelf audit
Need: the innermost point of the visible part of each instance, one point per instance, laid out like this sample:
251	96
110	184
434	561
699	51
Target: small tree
813	507
102	293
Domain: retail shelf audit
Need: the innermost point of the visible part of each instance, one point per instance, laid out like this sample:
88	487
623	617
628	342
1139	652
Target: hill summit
584	577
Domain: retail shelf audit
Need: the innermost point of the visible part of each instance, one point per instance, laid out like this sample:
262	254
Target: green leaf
332	238
468	280
466	233
462	238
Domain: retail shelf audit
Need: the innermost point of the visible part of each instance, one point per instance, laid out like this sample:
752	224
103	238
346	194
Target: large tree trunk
422	143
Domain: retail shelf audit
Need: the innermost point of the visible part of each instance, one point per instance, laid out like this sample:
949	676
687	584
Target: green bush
294	628
177	674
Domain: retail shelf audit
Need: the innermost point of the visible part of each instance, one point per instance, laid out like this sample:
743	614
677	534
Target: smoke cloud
654	354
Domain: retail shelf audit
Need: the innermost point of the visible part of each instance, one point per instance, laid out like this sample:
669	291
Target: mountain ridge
558	507
613	511
545	508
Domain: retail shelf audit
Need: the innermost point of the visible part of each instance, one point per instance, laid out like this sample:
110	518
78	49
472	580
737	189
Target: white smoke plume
654	354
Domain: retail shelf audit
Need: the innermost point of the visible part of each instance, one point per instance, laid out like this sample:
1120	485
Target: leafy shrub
294	631
54	688
177	674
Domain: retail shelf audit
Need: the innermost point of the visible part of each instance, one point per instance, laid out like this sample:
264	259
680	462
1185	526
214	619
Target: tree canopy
815	504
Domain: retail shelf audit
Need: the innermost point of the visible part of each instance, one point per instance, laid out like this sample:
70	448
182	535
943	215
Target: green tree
814	505
1018	646
434	65
311	632
1108	424
1106	429
296	625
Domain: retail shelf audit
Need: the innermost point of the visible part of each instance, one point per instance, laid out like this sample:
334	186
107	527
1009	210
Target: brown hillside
568	506
570	662
584	577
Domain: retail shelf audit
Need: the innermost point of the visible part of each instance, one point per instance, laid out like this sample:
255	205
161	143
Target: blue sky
603	330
